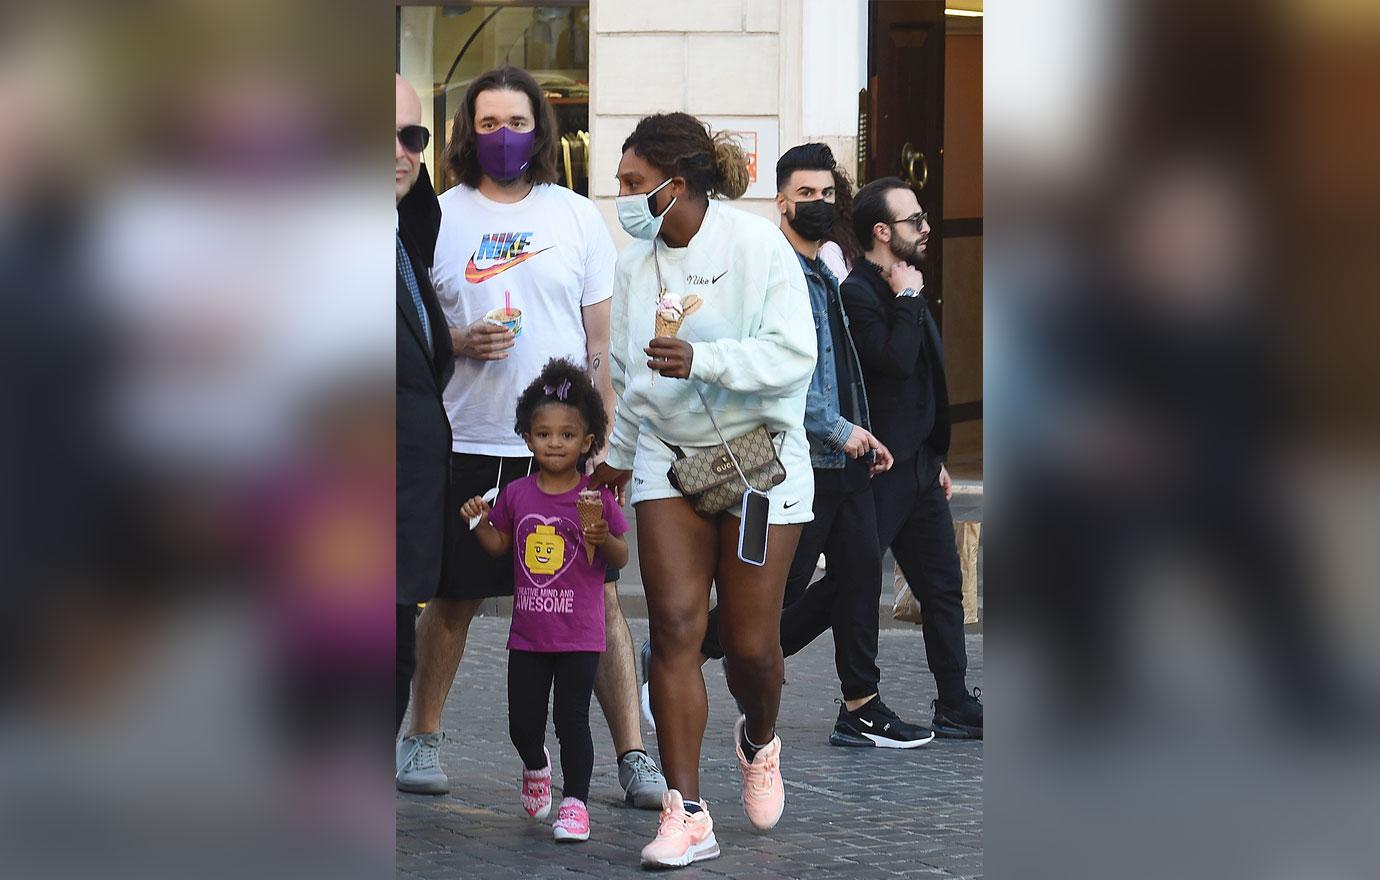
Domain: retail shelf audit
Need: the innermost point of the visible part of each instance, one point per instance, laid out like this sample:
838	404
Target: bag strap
656	264
727	446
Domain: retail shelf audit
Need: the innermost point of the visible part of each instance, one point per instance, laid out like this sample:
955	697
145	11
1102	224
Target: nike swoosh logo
865	721
474	274
787	506
716	278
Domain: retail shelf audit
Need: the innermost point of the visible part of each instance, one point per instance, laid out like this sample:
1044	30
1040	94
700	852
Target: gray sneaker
419	764
643	784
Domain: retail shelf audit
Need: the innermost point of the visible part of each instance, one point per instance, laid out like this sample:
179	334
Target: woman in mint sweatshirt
750	349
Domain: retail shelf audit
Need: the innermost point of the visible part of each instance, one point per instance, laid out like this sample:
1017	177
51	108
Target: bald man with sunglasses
424	364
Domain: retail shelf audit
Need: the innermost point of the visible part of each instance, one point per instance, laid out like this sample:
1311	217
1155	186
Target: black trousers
530	679
846	598
913	519
406	662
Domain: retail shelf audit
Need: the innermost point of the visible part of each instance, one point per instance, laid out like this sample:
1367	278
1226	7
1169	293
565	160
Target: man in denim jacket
845	455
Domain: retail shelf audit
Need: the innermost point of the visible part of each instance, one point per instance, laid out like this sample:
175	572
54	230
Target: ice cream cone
667	328
590	506
671	312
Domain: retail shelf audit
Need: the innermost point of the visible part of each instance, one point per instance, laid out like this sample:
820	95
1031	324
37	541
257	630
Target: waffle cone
590	512
667	328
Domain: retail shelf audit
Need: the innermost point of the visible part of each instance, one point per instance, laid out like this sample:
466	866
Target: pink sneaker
763	795
572	823
682	837
536	789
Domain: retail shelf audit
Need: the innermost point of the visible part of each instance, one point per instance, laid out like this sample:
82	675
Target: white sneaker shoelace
426	757
643	769
673	823
760	777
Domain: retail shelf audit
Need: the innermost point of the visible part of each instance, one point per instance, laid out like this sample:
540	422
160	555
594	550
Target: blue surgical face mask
635	213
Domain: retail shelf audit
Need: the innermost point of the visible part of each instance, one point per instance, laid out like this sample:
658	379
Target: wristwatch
909	292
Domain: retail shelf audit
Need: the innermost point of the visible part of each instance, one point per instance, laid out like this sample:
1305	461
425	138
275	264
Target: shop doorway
923	99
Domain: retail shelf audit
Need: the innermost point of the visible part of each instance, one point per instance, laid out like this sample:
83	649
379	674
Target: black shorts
471	572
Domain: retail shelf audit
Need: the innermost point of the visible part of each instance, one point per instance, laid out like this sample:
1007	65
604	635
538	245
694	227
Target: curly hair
561	381
461	158
842	233
680	145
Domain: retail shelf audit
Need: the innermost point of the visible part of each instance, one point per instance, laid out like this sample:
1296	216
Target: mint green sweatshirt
753	339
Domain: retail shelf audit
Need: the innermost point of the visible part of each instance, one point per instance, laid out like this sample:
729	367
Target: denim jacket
825	425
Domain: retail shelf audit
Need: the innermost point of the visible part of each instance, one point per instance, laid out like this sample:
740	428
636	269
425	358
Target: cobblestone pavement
849	812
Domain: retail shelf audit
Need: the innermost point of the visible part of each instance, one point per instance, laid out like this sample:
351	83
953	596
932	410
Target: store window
441	49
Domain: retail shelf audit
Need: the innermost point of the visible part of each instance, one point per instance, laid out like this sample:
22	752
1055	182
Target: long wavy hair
841	233
461	159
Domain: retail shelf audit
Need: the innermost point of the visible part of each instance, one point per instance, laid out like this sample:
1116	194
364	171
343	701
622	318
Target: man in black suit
903	366
425	361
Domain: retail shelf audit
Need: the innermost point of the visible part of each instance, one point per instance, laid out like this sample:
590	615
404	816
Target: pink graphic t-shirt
558	594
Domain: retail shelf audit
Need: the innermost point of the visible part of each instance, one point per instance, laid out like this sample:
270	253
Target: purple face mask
503	153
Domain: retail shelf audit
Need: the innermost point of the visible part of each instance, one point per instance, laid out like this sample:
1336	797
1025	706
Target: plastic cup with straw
507	316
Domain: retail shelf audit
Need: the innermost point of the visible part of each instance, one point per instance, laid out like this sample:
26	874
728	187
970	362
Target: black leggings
530	675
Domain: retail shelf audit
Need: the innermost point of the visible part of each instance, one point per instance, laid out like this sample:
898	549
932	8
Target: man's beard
906	251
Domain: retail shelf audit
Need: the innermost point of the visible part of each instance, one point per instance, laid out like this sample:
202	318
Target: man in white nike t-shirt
511	238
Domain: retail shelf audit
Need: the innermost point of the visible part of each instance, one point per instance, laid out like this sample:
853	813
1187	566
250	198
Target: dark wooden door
905	64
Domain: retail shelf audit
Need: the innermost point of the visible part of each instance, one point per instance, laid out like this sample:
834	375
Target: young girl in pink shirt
559	562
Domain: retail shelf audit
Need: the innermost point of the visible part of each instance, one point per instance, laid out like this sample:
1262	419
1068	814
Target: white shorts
792	501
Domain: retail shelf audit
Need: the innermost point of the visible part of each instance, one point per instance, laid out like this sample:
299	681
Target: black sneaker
963	721
874	725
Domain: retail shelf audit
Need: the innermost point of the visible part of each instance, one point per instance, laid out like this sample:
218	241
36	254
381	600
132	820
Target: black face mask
813	220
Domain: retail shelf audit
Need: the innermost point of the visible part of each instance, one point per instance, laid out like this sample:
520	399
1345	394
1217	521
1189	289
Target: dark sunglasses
414	138
916	220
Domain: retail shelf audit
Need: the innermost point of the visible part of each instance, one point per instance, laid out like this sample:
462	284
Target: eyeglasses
916	220
414	138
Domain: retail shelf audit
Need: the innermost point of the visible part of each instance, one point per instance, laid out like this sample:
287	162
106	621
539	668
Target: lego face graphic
545	551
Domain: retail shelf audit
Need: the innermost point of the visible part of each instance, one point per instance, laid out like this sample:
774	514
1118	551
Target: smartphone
752	528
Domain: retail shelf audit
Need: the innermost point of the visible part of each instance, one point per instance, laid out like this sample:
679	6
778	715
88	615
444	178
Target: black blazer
903	364
423	429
